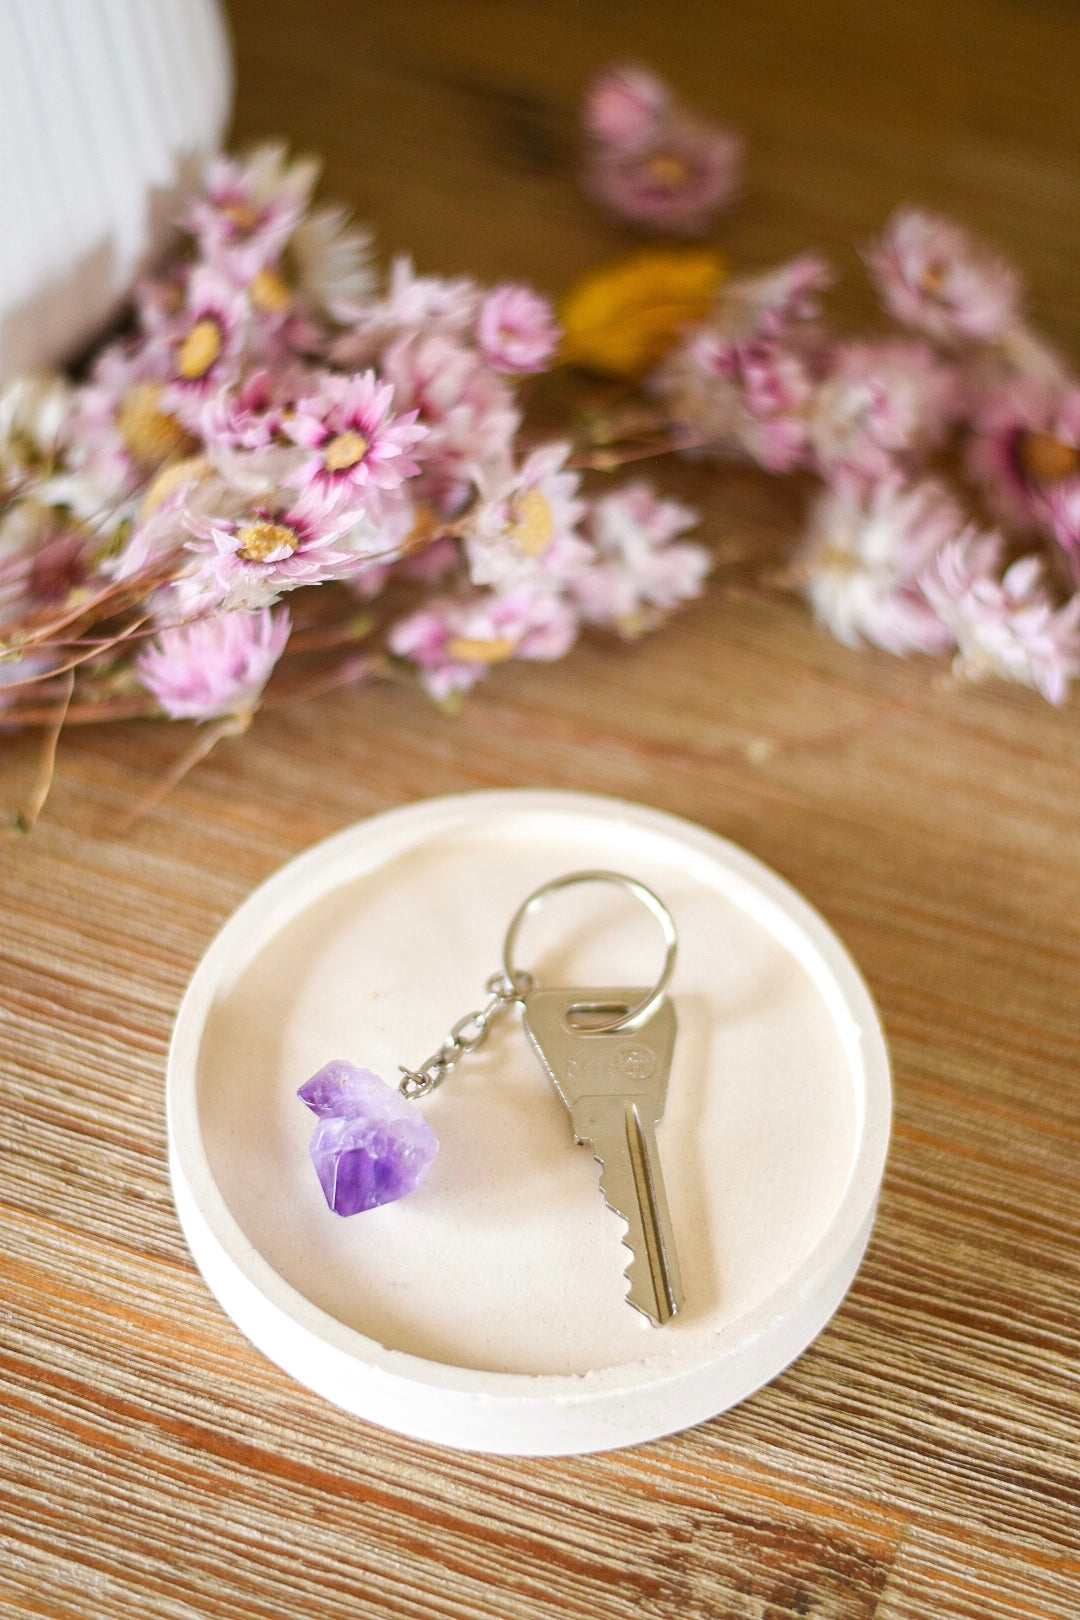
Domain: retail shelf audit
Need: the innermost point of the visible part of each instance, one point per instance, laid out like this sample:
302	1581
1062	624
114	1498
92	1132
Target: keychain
606	1051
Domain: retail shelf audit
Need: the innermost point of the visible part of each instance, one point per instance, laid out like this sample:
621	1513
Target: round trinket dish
488	1310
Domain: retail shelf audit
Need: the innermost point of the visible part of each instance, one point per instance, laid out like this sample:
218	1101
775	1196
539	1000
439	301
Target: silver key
614	1084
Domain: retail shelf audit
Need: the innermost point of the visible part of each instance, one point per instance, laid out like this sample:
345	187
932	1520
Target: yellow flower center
170	479
271	293
346	451
668	171
200	349
466	650
242	215
933	279
1046	460
148	433
532	523
264	539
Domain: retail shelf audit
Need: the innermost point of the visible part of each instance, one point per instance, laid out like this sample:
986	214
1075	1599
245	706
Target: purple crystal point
370	1146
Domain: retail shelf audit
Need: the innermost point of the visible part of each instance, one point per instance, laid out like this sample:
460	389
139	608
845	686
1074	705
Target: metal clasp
467	1034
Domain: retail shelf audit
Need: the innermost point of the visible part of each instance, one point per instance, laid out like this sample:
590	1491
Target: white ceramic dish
487	1312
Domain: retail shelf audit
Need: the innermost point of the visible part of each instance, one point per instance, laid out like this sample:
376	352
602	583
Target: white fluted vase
107	110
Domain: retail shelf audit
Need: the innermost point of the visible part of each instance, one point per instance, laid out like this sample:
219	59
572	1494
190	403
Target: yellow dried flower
621	321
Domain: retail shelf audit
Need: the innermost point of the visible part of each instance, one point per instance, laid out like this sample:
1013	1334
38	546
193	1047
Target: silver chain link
467	1034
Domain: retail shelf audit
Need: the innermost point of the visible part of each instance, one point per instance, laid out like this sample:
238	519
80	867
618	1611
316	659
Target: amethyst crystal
370	1145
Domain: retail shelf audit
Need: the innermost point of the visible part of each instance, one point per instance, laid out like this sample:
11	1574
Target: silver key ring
635	1016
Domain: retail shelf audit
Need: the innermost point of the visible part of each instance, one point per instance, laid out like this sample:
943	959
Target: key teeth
603	1188
633	1258
614	1208
665	1308
628	1273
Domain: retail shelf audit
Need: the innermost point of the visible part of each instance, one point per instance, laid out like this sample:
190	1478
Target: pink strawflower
678	183
204	343
864	556
323	273
466	407
215	666
626	107
46	557
635	521
248	561
738	398
243	431
652	161
516	329
772	302
932	276
744	380
523	524
360	447
253	412
641	571
1025	452
428	303
250	207
880	403
246	417
455	641
120	429
412	305
1004	625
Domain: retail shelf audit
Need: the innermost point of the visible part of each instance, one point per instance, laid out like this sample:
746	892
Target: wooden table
921	1459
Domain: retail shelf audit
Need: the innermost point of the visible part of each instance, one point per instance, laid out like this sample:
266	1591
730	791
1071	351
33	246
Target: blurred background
848	109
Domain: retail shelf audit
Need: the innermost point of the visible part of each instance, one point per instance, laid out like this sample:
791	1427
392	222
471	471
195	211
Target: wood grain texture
922	1459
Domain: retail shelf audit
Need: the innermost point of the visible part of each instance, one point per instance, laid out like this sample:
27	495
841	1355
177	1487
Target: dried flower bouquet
277	420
